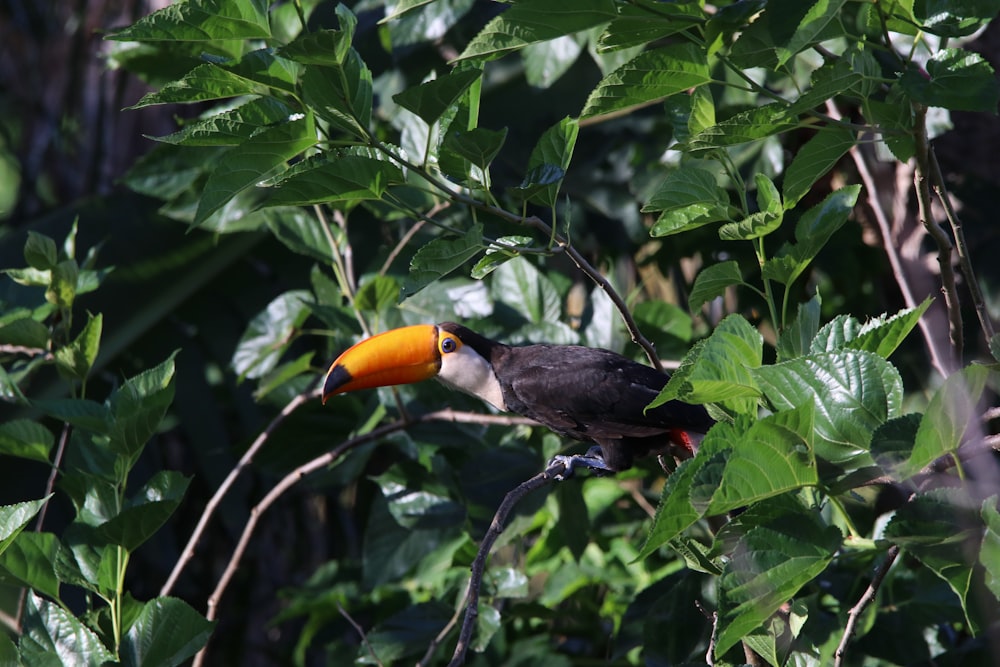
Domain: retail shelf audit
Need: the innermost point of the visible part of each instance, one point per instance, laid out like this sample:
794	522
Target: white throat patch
466	371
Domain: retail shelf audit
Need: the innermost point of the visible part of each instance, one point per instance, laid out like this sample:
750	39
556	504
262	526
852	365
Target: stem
479	564
866	599
948	288
962	248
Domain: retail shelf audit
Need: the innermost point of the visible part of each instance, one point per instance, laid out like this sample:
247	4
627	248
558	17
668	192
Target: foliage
430	161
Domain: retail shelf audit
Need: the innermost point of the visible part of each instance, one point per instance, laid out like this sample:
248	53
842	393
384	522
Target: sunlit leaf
712	282
647	78
263	343
440	257
52	635
955	79
947	418
718	369
769	565
816	157
431	99
29	560
200	20
147	645
854	393
258	157
530	22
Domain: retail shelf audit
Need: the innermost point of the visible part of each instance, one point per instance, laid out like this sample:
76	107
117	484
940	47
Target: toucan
588	394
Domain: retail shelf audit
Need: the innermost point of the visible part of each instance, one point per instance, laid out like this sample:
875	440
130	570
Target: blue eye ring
448	344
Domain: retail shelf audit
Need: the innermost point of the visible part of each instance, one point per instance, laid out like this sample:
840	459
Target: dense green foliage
679	175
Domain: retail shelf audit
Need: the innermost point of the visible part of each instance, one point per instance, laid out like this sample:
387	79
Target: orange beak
400	356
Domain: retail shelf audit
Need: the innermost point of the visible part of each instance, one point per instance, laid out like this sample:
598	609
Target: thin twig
479	564
305	469
866	599
948	289
445	631
361	632
961	247
213	503
891	252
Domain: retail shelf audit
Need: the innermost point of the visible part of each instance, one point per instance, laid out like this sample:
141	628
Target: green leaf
528	291
204	83
676	512
40	252
768	567
816	157
956	79
439	258
62	284
302	233
26	439
753	226
431	99
690	114
812	232
24	331
200	20
954	18
146	644
287	372
649	77
941	527
796	338
809	30
545	62
342	96
269	334
989	552
258	157
773	456
641	22
718	369
478	145
554	148
53	636
880	335
81	413
77	358
689	197
712	282
146	511
535	21
892	443
320	47
947	417
138	406
746	126
334	179
13	519
30	561
854	392
503	250
232	126
376	294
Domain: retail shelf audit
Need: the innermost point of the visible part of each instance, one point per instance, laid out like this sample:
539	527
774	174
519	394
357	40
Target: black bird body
587	394
592	395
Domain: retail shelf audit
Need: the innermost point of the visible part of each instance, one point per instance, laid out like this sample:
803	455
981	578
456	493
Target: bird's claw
592	460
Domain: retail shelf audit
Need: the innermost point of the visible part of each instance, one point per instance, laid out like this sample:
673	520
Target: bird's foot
592	460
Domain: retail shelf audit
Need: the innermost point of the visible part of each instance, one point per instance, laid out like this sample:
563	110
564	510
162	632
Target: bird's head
449	352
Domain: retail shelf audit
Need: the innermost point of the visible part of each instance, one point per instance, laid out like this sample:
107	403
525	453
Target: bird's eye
448	345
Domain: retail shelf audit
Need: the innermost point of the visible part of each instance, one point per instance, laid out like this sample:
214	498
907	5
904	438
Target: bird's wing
584	392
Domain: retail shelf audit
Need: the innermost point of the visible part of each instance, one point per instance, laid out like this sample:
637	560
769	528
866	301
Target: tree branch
866	599
479	564
293	478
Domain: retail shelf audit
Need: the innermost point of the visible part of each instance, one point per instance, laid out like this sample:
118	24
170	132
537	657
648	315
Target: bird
587	394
